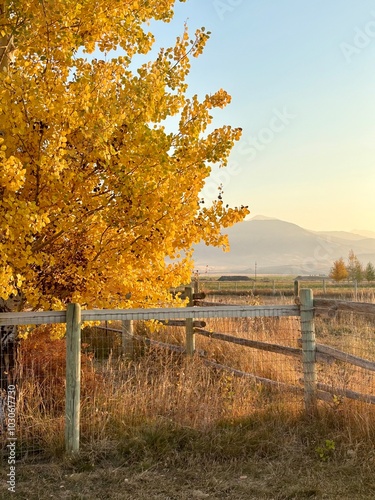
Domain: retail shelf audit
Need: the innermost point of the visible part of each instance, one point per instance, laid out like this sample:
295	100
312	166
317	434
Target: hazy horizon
277	246
269	217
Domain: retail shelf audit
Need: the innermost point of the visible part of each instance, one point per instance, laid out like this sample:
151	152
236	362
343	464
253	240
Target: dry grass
284	288
165	426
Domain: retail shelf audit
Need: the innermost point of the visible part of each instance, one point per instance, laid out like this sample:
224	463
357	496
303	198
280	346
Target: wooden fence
273	287
309	351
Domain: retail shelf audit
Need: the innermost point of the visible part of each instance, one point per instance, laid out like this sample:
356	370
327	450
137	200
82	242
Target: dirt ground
194	479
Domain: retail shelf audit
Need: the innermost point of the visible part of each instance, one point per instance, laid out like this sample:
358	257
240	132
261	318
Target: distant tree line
353	270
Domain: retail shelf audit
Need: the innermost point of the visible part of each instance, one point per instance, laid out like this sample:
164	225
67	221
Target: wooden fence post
73	377
190	336
127	338
308	348
296	288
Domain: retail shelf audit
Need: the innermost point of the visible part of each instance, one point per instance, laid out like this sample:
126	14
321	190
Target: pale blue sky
312	63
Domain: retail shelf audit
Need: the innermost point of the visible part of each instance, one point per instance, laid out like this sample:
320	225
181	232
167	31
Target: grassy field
276	286
162	426
274	455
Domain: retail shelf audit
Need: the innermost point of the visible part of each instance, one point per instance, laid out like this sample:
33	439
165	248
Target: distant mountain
342	235
366	234
278	247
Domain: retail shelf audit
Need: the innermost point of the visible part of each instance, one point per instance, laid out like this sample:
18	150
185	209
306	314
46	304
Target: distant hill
366	234
341	235
279	247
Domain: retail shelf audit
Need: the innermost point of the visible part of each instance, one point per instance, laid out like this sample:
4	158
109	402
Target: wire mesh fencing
33	389
239	364
135	369
350	338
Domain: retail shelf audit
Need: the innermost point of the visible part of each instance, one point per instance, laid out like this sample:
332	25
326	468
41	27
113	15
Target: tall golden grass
159	389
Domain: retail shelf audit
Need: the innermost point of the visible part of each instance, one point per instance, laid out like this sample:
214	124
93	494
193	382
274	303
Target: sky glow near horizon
302	78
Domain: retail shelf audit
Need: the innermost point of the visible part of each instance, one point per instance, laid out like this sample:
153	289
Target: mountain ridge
276	245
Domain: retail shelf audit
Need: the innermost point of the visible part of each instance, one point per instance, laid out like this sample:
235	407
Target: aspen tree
99	202
338	271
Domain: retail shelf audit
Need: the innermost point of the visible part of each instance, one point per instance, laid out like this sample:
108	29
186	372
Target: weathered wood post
196	284
127	338
308	348
190	336
324	286
296	288
273	288
73	377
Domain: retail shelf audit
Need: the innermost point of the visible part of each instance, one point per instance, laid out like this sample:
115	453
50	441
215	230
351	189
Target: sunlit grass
161	400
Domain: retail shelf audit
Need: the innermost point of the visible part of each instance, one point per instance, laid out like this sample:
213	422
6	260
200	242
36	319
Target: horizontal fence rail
343	305
164	314
333	353
33	318
254	344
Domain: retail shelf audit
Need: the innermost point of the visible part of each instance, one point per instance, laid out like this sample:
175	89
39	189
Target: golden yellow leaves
218	100
12	175
201	37
99	187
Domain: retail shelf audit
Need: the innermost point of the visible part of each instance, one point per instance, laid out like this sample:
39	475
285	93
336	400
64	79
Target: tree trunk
6	39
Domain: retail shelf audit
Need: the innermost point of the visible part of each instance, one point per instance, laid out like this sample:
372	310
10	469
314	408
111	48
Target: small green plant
326	450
